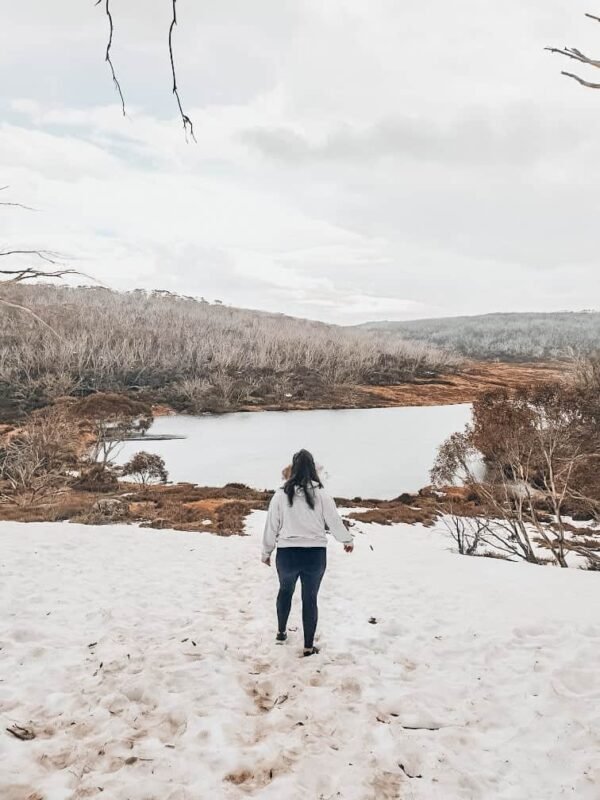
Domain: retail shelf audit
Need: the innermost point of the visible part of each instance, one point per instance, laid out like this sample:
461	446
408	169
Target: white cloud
353	160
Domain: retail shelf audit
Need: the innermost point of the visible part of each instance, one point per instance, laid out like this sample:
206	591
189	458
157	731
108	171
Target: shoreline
457	388
448	389
222	510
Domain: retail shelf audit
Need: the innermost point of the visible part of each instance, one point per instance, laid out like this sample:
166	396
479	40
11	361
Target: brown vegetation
474	380
219	510
424	508
57	465
180	507
541	450
35	460
186	353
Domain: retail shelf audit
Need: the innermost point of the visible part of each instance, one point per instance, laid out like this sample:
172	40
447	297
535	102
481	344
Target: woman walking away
299	518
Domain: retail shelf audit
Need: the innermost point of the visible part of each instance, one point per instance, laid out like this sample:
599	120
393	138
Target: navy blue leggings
308	564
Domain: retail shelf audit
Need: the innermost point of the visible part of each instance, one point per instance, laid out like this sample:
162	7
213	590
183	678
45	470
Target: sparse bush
194	392
467	532
111	419
541	449
39	458
96	477
104	511
146	468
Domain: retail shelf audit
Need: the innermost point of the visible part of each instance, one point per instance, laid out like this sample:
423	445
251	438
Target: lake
378	452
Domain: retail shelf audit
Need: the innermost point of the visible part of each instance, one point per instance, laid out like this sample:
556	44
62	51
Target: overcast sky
355	159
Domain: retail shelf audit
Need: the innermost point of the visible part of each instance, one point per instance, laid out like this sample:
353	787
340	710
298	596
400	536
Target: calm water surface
378	452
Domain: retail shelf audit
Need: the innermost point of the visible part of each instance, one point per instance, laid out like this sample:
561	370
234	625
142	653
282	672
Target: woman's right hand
349	547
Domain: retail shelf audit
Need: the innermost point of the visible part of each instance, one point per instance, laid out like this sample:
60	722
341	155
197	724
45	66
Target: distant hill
195	356
508	337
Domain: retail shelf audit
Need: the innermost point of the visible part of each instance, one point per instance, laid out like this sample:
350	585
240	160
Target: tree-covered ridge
509	337
200	356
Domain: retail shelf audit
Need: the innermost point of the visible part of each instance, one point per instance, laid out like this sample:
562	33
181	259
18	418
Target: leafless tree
510	532
200	356
38	458
111	431
539	453
573	54
12	273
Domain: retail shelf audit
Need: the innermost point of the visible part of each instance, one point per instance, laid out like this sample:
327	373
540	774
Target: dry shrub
37	458
541	449
207	355
106	406
393	513
231	515
96	478
66	506
108	419
105	511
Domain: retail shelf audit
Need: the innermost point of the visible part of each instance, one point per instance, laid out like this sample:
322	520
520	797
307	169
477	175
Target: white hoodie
299	525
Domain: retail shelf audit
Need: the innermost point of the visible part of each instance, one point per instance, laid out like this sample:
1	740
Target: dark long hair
304	474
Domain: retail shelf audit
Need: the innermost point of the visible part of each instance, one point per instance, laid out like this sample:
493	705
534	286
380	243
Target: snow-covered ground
144	662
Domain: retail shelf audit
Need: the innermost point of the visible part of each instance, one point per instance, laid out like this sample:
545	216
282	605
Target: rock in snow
143	663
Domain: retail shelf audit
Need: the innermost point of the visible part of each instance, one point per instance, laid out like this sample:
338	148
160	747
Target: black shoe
310	651
281	638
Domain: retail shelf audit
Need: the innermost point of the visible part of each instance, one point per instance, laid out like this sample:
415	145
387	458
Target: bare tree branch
581	80
31	313
188	125
17	275
575	54
18	205
27	273
107	57
45	255
187	122
14	205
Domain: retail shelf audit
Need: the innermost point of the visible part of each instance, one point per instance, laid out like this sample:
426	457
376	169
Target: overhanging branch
45	255
581	80
187	122
25	310
188	125
576	55
14	205
18	275
107	56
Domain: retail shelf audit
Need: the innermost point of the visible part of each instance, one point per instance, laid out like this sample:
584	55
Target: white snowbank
145	663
